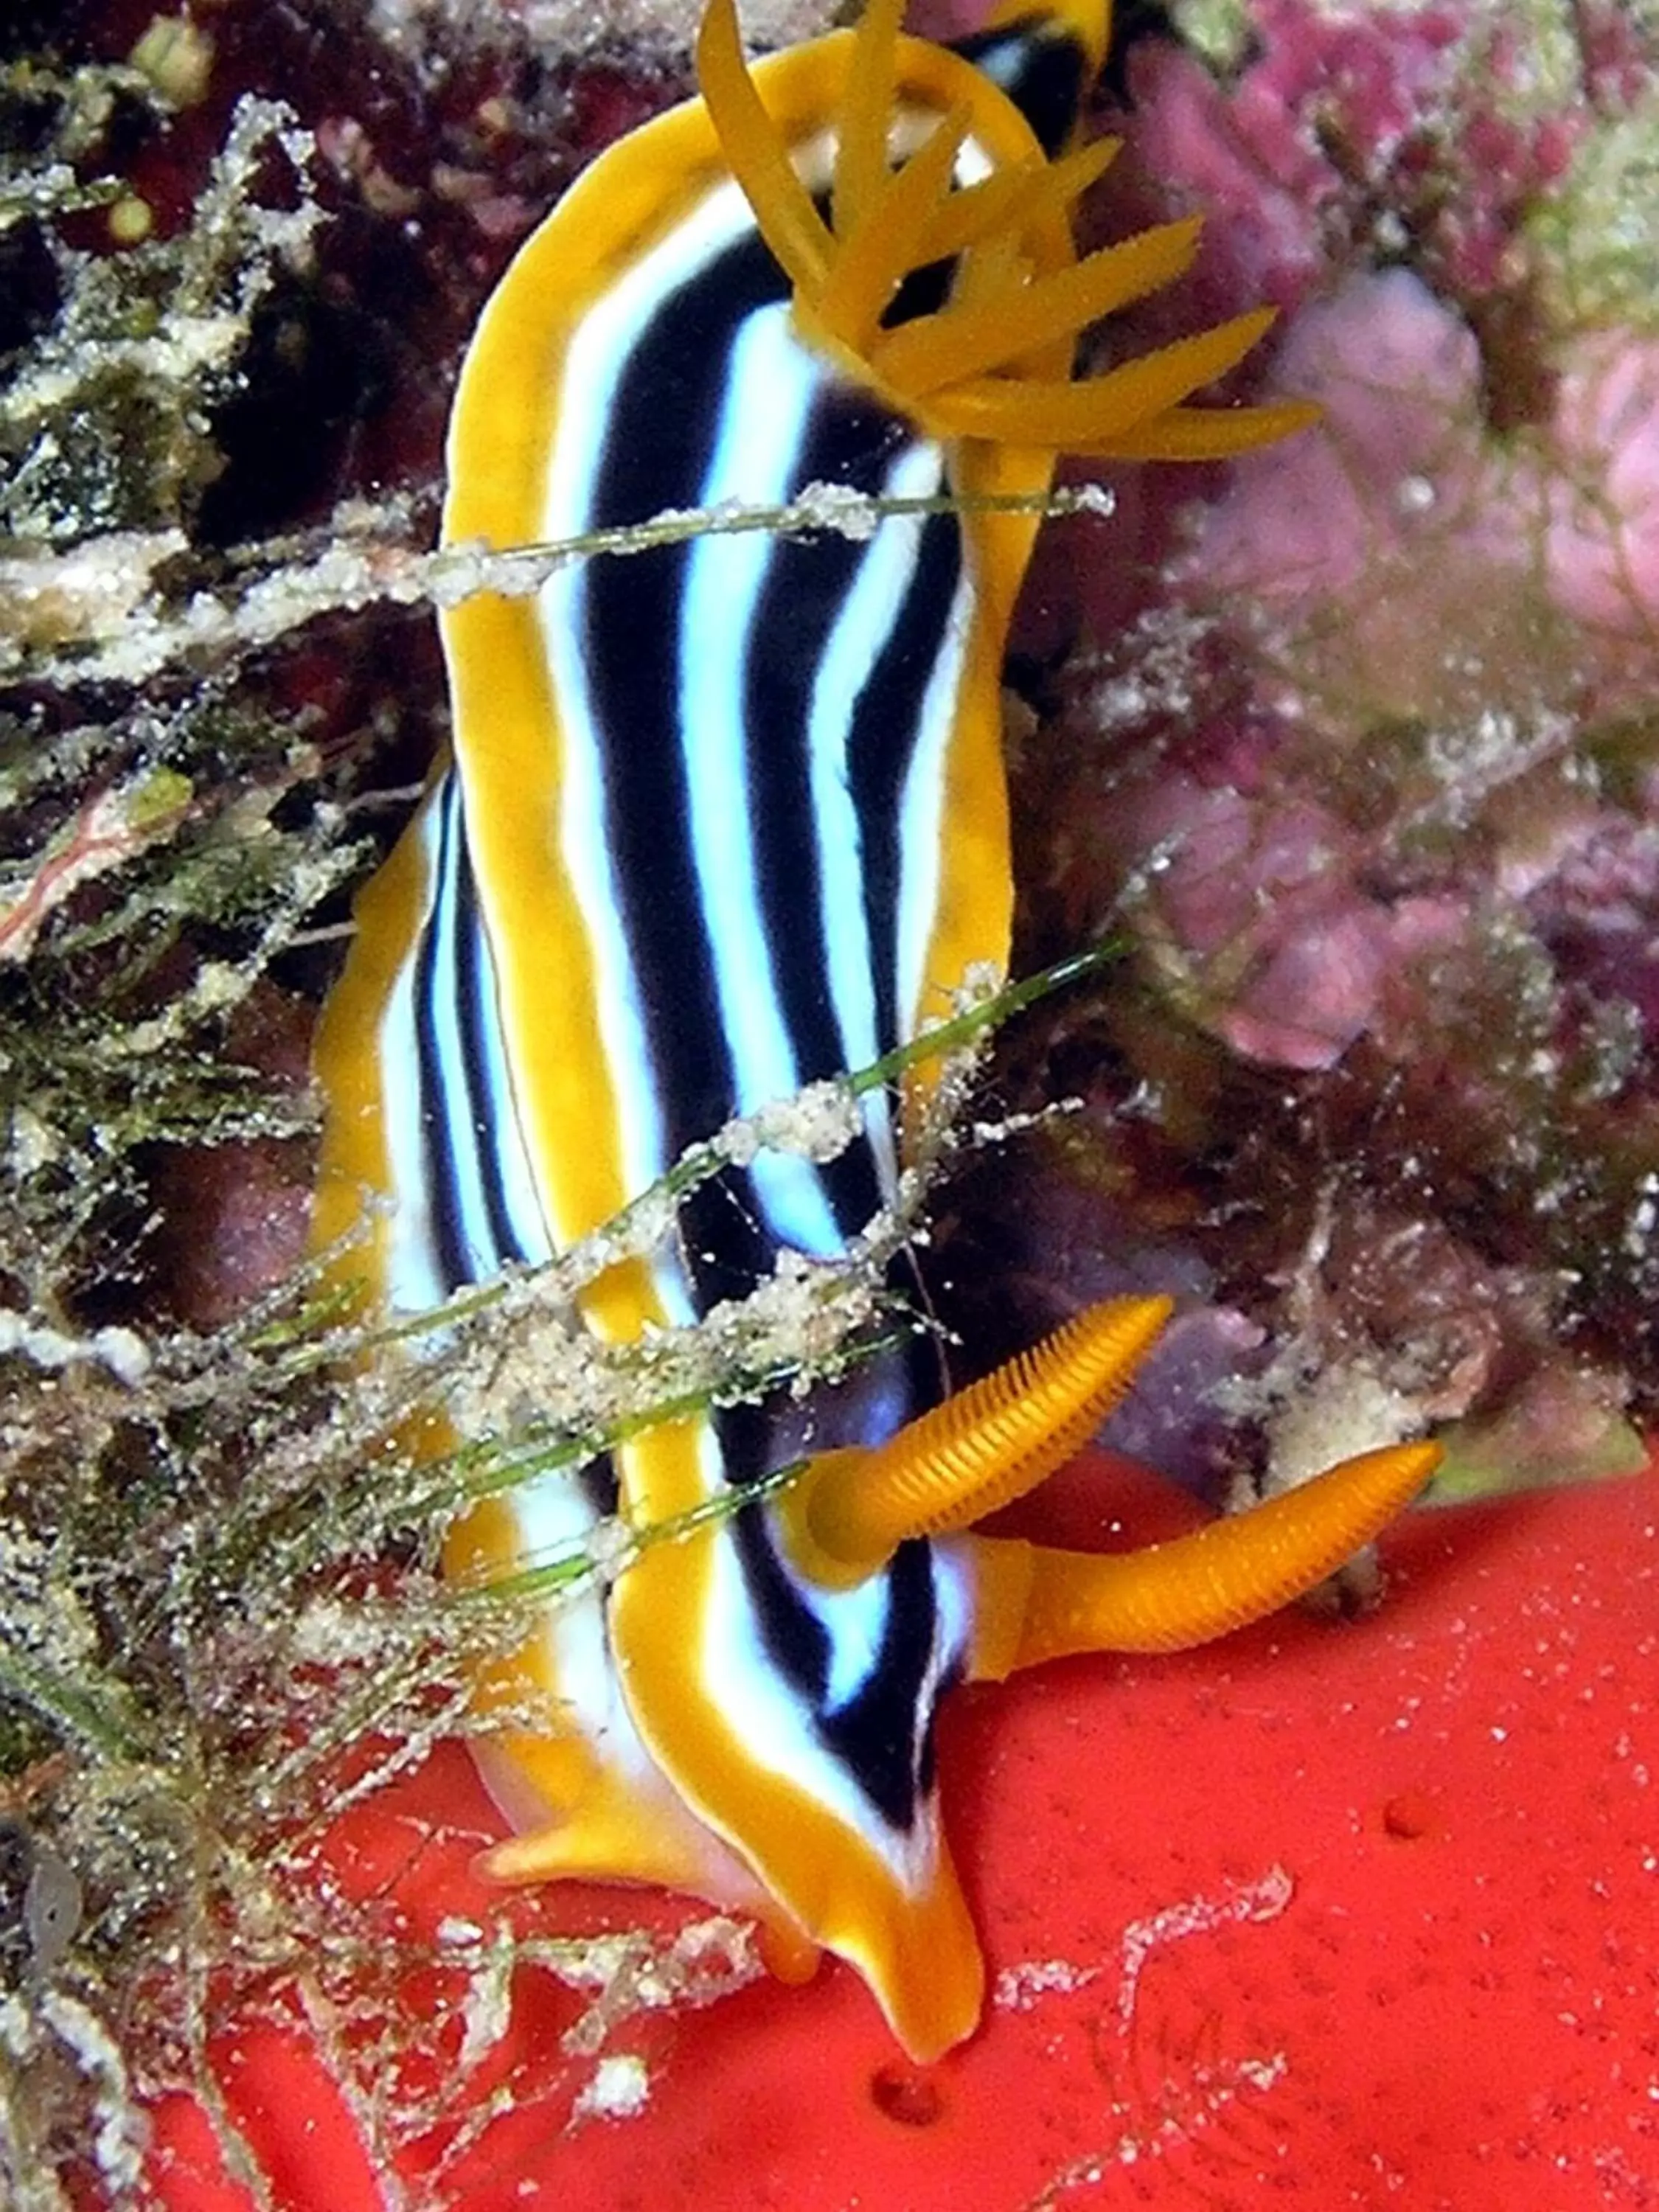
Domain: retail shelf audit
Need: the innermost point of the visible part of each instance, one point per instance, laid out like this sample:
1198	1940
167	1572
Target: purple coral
1352	133
1602	495
1364	770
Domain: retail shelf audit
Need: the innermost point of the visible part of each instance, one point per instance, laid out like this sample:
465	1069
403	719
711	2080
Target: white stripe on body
769	402
599	350
775	1724
416	1279
850	654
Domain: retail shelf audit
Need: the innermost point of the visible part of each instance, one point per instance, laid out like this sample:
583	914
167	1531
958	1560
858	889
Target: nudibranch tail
1020	295
1085	26
1037	1603
979	1450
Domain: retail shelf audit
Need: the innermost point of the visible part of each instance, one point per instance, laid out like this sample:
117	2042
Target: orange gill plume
995	361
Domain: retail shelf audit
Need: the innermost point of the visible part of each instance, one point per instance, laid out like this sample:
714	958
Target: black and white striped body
754	731
726	817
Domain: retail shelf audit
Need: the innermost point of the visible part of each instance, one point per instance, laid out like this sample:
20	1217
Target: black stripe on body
807	585
1040	66
662	416
474	979
663	419
446	1109
663	423
437	1157
890	702
883	1734
463	1125
461	1129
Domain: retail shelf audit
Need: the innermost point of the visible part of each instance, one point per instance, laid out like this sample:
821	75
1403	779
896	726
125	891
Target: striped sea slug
725	818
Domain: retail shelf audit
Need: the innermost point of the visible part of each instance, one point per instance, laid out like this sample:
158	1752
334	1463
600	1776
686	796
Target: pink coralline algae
1362	772
1397	373
1259	911
1357	130
1601	542
1396	546
1406	473
1266	905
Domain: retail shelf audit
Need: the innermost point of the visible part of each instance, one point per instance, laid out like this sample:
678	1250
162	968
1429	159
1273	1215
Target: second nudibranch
725	818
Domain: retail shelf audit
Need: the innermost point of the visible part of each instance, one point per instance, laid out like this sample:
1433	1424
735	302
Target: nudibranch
726	817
